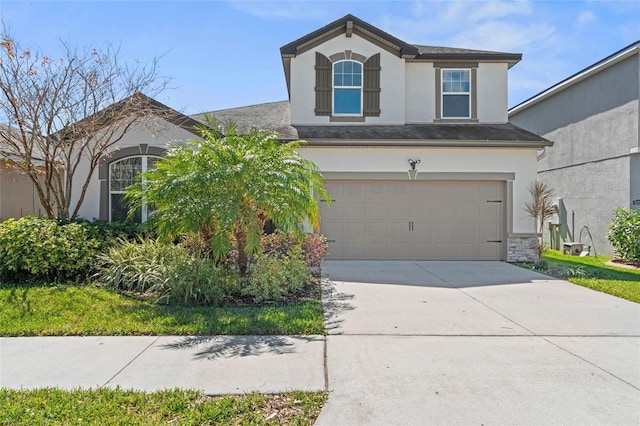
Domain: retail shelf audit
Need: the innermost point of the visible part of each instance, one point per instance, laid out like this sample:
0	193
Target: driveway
475	343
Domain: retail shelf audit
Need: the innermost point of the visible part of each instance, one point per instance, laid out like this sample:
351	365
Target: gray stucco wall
635	181
581	190
594	125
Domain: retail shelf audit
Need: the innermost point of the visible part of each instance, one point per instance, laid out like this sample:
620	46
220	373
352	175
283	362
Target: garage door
430	220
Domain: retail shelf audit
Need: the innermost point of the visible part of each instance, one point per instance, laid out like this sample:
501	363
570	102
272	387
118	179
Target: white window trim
333	89
144	214
442	93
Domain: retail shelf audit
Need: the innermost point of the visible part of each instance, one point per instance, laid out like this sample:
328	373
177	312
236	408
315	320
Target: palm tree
540	209
226	186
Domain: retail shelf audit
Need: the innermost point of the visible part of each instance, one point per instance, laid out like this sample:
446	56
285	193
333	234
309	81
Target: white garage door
429	220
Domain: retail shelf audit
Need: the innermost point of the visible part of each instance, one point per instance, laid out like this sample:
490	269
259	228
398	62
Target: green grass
592	272
64	310
125	407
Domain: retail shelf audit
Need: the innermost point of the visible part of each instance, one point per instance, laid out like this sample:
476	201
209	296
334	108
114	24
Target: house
414	142
18	195
593	117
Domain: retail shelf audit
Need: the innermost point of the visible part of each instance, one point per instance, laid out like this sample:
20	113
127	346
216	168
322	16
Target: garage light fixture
413	173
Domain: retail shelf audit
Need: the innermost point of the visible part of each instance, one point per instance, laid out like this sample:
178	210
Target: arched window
122	174
347	88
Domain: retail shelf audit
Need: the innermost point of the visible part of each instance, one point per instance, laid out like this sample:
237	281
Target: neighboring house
18	196
594	166
145	141
373	107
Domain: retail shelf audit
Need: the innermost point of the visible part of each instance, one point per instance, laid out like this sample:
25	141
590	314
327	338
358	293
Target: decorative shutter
371	88
324	87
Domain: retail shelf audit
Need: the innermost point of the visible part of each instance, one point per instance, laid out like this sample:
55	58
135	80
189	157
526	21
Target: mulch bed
619	263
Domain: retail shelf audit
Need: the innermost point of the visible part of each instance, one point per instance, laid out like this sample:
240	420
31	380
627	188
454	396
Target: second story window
456	93
347	88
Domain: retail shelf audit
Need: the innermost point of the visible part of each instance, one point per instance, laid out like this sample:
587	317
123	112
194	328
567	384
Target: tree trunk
241	242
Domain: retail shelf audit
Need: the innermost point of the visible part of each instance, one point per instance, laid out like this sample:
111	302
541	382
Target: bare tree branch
59	114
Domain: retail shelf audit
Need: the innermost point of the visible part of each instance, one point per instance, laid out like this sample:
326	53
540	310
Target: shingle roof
455	53
424	134
273	116
426	50
276	116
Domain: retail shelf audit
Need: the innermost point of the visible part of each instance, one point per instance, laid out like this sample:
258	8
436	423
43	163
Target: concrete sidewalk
215	365
409	343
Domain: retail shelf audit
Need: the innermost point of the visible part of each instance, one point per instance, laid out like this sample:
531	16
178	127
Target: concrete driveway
475	343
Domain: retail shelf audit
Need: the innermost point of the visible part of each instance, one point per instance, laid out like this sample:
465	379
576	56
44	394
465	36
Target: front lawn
63	310
117	406
592	272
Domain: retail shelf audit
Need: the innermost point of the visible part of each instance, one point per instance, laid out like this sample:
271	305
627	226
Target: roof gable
138	103
350	25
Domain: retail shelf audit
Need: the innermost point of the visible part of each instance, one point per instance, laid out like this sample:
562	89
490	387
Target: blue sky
223	54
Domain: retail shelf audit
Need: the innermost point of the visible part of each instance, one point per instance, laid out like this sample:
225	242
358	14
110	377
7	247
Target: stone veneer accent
522	248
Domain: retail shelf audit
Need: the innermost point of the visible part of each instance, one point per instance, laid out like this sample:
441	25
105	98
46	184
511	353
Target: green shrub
140	266
201	282
541	265
46	249
110	232
624	234
272	278
170	272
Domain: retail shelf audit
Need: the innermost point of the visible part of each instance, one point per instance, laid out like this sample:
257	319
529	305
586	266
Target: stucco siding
392	85
420	93
520	162
592	191
157	132
604	135
492	93
635	181
18	196
605	91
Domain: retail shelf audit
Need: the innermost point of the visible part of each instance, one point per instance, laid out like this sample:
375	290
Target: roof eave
413	143
510	58
405	48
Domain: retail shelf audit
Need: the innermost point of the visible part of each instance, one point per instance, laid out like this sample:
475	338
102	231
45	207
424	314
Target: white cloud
495	25
506	36
585	17
500	9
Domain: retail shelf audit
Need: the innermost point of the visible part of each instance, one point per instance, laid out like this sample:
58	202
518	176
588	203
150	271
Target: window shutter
323	85
371	88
